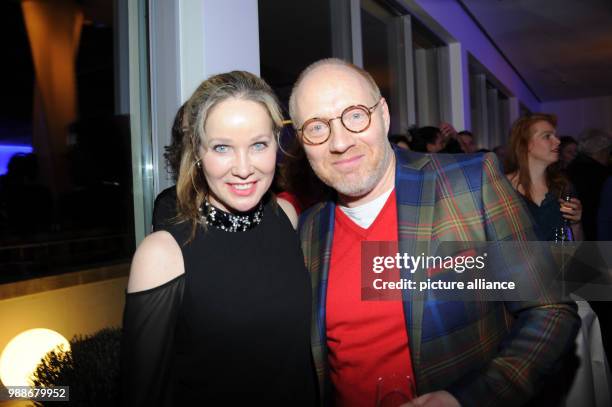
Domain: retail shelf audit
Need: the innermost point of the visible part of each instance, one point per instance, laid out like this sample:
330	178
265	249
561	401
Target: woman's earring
198	164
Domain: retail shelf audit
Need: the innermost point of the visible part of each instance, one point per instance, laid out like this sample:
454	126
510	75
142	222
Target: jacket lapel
415	192
318	256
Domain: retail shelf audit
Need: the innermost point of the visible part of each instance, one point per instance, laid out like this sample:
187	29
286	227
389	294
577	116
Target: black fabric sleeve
149	321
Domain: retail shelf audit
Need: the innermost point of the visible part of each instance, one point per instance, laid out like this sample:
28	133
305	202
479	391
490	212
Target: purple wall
453	19
578	114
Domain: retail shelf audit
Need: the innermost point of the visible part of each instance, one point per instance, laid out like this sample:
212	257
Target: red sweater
366	339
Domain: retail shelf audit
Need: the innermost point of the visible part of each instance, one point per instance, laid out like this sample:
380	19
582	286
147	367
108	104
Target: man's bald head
329	63
357	164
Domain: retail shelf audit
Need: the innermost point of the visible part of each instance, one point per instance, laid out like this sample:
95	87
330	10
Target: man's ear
386	115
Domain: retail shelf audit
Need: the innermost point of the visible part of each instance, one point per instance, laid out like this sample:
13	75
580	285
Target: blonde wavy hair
191	186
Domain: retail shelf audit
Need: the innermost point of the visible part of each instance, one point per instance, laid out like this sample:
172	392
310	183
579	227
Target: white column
342	44
428	93
505	123
493	112
480	123
142	168
191	40
165	93
121	60
515	109
409	78
456	97
357	40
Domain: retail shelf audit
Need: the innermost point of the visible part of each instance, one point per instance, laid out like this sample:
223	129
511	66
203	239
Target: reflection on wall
54	30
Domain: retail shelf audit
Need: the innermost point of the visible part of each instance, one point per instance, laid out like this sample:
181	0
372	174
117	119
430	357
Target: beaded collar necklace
230	222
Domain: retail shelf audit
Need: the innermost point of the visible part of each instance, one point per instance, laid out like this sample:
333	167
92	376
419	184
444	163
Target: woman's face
543	144
238	154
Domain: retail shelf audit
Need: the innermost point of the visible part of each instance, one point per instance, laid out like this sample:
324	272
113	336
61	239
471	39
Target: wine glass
563	232
394	390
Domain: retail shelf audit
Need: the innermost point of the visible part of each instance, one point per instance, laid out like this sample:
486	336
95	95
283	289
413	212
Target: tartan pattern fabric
484	353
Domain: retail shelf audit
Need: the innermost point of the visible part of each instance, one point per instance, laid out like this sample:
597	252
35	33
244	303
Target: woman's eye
260	146
221	148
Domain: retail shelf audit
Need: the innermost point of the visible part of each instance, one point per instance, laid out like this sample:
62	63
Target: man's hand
435	399
447	131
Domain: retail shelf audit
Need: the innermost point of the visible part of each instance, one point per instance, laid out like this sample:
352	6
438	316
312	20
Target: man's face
569	152
354	164
437	145
467	143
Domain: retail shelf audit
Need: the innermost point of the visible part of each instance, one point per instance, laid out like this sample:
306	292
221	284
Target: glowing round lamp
24	352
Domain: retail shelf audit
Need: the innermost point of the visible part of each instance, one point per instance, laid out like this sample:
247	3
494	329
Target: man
588	173
456	143
466	141
456	353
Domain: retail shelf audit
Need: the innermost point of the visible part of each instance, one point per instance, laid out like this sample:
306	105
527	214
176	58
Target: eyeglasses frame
370	110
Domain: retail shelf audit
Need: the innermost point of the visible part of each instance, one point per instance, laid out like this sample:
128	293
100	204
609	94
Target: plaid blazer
484	353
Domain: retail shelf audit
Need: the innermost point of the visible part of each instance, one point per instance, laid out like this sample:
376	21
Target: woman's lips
242	188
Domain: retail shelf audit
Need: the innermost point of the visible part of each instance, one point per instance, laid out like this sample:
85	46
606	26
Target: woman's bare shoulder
289	210
157	260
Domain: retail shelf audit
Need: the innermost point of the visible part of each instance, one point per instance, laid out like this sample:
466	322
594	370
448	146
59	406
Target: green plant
90	368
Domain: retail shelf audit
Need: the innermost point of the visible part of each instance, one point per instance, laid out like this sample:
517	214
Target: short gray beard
367	184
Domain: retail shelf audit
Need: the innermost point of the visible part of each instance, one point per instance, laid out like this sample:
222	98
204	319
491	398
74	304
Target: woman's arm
154	297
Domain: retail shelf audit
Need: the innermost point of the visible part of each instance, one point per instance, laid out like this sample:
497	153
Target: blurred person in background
532	169
453	143
297	182
568	149
400	140
604	216
501	152
588	172
427	139
467	142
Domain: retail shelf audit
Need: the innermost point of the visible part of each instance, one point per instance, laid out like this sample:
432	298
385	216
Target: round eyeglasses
355	119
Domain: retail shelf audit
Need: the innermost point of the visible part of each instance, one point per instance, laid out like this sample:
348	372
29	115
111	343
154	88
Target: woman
218	304
532	170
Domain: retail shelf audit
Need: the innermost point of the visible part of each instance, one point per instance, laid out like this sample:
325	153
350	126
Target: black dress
546	216
234	328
